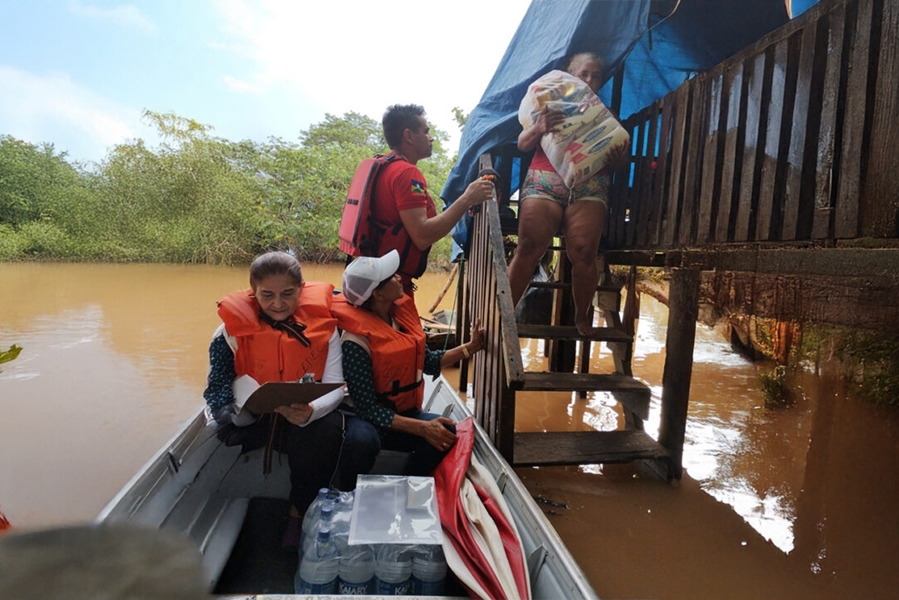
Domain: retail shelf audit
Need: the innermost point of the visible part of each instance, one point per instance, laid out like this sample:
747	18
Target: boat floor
258	564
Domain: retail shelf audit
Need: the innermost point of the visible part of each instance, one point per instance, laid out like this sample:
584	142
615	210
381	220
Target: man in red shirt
401	196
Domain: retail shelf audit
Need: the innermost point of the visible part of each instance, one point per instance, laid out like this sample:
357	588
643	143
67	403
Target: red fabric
401	186
406	187
448	478
540	161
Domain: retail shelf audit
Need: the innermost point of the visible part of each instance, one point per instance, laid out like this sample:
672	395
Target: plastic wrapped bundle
581	147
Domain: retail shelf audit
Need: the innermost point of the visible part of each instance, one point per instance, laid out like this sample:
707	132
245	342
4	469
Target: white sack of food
581	147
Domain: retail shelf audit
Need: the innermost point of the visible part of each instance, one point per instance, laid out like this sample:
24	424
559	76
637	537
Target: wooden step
585	447
583	382
569	332
633	394
566	285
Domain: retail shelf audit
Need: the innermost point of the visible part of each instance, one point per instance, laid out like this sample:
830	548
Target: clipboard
273	394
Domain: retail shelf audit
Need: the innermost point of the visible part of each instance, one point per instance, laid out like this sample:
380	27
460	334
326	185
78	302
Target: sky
79	73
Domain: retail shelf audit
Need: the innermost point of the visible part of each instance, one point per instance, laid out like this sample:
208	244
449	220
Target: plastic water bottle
428	571
319	566
310	518
393	570
325	518
356	574
343	513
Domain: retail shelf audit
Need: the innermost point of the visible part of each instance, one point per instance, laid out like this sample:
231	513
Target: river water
793	503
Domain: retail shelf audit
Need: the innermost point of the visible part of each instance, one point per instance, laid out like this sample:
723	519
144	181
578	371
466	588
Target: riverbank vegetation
195	198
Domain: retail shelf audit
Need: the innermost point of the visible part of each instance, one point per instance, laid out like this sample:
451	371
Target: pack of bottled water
390	566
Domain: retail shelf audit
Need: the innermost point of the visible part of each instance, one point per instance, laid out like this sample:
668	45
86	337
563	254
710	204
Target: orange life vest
397	355
267	354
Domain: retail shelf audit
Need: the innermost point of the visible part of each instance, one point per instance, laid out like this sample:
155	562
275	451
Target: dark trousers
364	441
312	451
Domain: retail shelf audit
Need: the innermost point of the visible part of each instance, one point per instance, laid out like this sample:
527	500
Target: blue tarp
659	44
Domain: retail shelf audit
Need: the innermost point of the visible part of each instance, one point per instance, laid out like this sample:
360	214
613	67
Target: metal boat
218	497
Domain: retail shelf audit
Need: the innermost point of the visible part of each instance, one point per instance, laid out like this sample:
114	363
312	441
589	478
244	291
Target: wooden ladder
498	372
587	447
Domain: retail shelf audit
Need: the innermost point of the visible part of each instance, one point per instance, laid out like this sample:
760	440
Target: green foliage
8	355
195	198
872	359
775	388
460	117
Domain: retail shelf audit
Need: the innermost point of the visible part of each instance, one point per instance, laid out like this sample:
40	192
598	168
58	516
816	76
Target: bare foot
584	326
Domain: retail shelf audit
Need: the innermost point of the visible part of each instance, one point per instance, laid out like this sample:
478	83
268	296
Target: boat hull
202	489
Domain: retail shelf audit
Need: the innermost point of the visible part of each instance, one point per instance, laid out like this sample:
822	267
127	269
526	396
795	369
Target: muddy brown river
793	503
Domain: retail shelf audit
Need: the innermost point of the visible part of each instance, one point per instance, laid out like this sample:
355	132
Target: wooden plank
880	201
644	200
683	303
672	200
639	188
619	198
799	120
590	382
565	285
561	332
733	136
854	302
585	447
756	115
775	80
693	163
846	218
660	173
822	219
711	155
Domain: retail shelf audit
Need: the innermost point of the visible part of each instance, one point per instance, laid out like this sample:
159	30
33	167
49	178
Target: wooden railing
498	371
791	140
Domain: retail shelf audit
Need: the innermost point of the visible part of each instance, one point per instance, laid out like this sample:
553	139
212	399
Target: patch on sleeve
418	187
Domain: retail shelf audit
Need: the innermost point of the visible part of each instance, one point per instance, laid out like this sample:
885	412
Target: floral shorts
551	186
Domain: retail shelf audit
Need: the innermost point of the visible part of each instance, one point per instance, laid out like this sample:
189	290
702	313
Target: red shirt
406	188
540	162
401	186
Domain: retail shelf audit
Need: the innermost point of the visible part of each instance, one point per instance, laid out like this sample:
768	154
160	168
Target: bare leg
538	221
583	228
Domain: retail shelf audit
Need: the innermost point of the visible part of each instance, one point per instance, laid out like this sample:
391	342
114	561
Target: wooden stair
588	447
501	375
585	447
569	333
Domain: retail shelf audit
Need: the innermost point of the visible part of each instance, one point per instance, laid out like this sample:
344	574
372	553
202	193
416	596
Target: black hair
275	263
399	118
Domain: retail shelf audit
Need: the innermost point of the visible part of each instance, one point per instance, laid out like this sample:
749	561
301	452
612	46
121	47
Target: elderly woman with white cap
385	356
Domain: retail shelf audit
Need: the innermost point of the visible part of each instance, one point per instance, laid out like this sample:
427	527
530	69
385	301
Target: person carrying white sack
567	186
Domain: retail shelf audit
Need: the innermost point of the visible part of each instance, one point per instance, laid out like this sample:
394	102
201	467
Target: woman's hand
477	337
298	414
436	434
548	120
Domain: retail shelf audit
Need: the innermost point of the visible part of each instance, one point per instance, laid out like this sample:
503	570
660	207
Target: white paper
243	387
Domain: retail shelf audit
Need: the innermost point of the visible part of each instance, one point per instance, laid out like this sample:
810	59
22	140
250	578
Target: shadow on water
793	503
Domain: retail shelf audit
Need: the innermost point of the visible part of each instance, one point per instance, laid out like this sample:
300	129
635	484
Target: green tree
183	202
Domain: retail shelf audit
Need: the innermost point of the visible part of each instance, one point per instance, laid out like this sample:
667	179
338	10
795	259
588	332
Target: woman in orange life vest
281	330
384	358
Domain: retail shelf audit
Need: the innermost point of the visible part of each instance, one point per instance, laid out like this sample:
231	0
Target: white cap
364	274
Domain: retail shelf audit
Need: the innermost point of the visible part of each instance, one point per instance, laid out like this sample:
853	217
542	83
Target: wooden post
683	308
449	280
